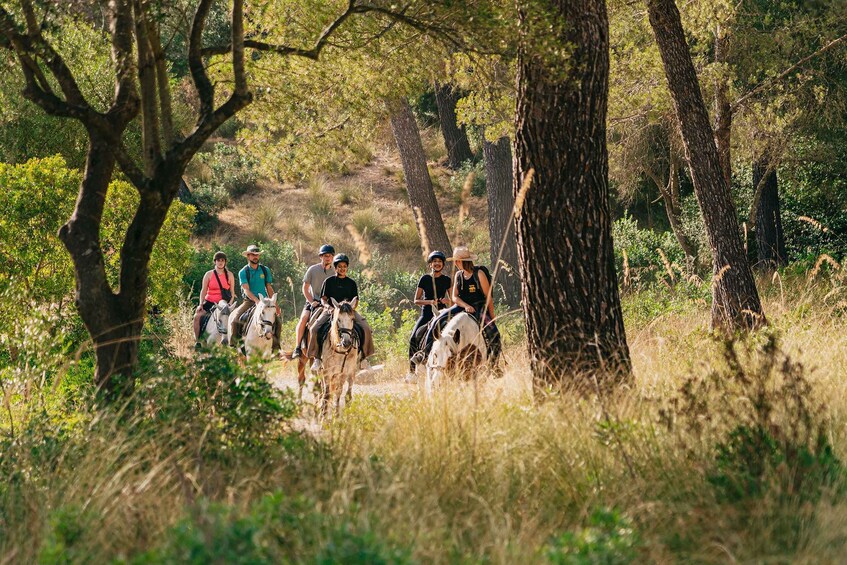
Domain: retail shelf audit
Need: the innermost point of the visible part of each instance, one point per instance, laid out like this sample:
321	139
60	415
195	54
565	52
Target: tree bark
723	110
455	136
418	182
770	240
501	201
570	294
735	303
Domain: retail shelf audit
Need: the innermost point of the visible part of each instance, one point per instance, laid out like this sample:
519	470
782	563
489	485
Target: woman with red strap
217	285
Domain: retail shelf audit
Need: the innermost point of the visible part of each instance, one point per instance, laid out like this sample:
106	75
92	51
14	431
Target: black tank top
471	291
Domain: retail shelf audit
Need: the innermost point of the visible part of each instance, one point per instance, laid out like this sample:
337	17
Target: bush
609	538
644	263
233	174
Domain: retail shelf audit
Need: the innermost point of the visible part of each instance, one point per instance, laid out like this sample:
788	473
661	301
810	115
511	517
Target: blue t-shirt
256	280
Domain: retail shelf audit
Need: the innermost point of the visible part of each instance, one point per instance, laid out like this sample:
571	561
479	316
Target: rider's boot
317	365
297	353
364	365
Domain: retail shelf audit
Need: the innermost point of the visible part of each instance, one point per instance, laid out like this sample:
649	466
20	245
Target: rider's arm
232	287
486	290
307	292
419	300
446	300
245	290
204	290
324	298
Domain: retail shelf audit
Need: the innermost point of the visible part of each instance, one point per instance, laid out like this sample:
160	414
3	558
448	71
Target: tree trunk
673	208
770	239
501	201
735	303
419	184
723	110
570	294
455	137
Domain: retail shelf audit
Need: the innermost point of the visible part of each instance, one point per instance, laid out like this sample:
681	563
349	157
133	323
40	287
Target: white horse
461	347
340	356
216	328
258	337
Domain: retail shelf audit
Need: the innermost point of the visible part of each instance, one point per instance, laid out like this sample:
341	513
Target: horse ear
354	302
334	302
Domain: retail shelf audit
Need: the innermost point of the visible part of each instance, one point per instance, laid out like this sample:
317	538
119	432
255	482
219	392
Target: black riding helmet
436	255
326	248
219	255
340	258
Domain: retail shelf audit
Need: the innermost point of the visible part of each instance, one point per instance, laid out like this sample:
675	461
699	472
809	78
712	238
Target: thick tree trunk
735	302
770	239
419	184
455	137
501	201
723	110
570	294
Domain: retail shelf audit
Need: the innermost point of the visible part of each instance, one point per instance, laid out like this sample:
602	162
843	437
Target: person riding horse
218	284
313	281
255	280
432	293
339	287
471	294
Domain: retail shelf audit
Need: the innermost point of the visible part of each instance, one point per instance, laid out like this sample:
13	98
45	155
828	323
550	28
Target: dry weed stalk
824	258
666	263
717	278
521	197
813	222
627	278
464	205
421	231
361	246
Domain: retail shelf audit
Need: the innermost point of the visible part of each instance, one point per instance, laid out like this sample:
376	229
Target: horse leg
301	376
348	398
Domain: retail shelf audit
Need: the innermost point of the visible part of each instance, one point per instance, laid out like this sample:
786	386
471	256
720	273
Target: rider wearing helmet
313	281
471	294
432	293
340	287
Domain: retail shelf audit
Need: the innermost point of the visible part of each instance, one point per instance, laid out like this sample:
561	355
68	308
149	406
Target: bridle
263	326
221	325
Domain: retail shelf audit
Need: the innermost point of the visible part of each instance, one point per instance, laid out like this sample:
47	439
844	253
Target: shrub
319	204
368	221
646	265
609	538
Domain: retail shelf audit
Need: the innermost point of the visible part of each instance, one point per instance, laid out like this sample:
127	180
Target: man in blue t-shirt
255	280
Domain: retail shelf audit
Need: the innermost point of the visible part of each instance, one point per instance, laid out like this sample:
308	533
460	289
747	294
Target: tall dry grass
483	471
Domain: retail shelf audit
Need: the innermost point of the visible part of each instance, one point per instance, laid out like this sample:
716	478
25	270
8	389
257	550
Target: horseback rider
313	281
340	287
432	293
218	284
471	294
255	280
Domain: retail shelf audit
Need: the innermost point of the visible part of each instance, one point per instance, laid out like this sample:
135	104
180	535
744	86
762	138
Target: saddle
239	327
204	320
322	332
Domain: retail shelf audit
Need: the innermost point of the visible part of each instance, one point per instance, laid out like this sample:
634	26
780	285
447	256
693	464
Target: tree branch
781	76
205	88
151	146
238	72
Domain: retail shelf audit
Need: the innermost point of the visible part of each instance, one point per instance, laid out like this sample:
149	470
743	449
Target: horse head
342	330
461	347
265	316
220	315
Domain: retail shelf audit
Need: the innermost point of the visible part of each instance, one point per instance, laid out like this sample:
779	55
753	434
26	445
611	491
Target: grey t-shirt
315	276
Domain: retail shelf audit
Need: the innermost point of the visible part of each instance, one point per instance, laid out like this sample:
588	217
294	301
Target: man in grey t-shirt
313	281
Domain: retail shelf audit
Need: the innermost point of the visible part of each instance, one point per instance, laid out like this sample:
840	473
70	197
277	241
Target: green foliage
231	174
609	539
67	528
38	196
234	405
645	263
458	179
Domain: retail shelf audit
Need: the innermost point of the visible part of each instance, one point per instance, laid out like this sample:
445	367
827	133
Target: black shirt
471	291
339	289
430	292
